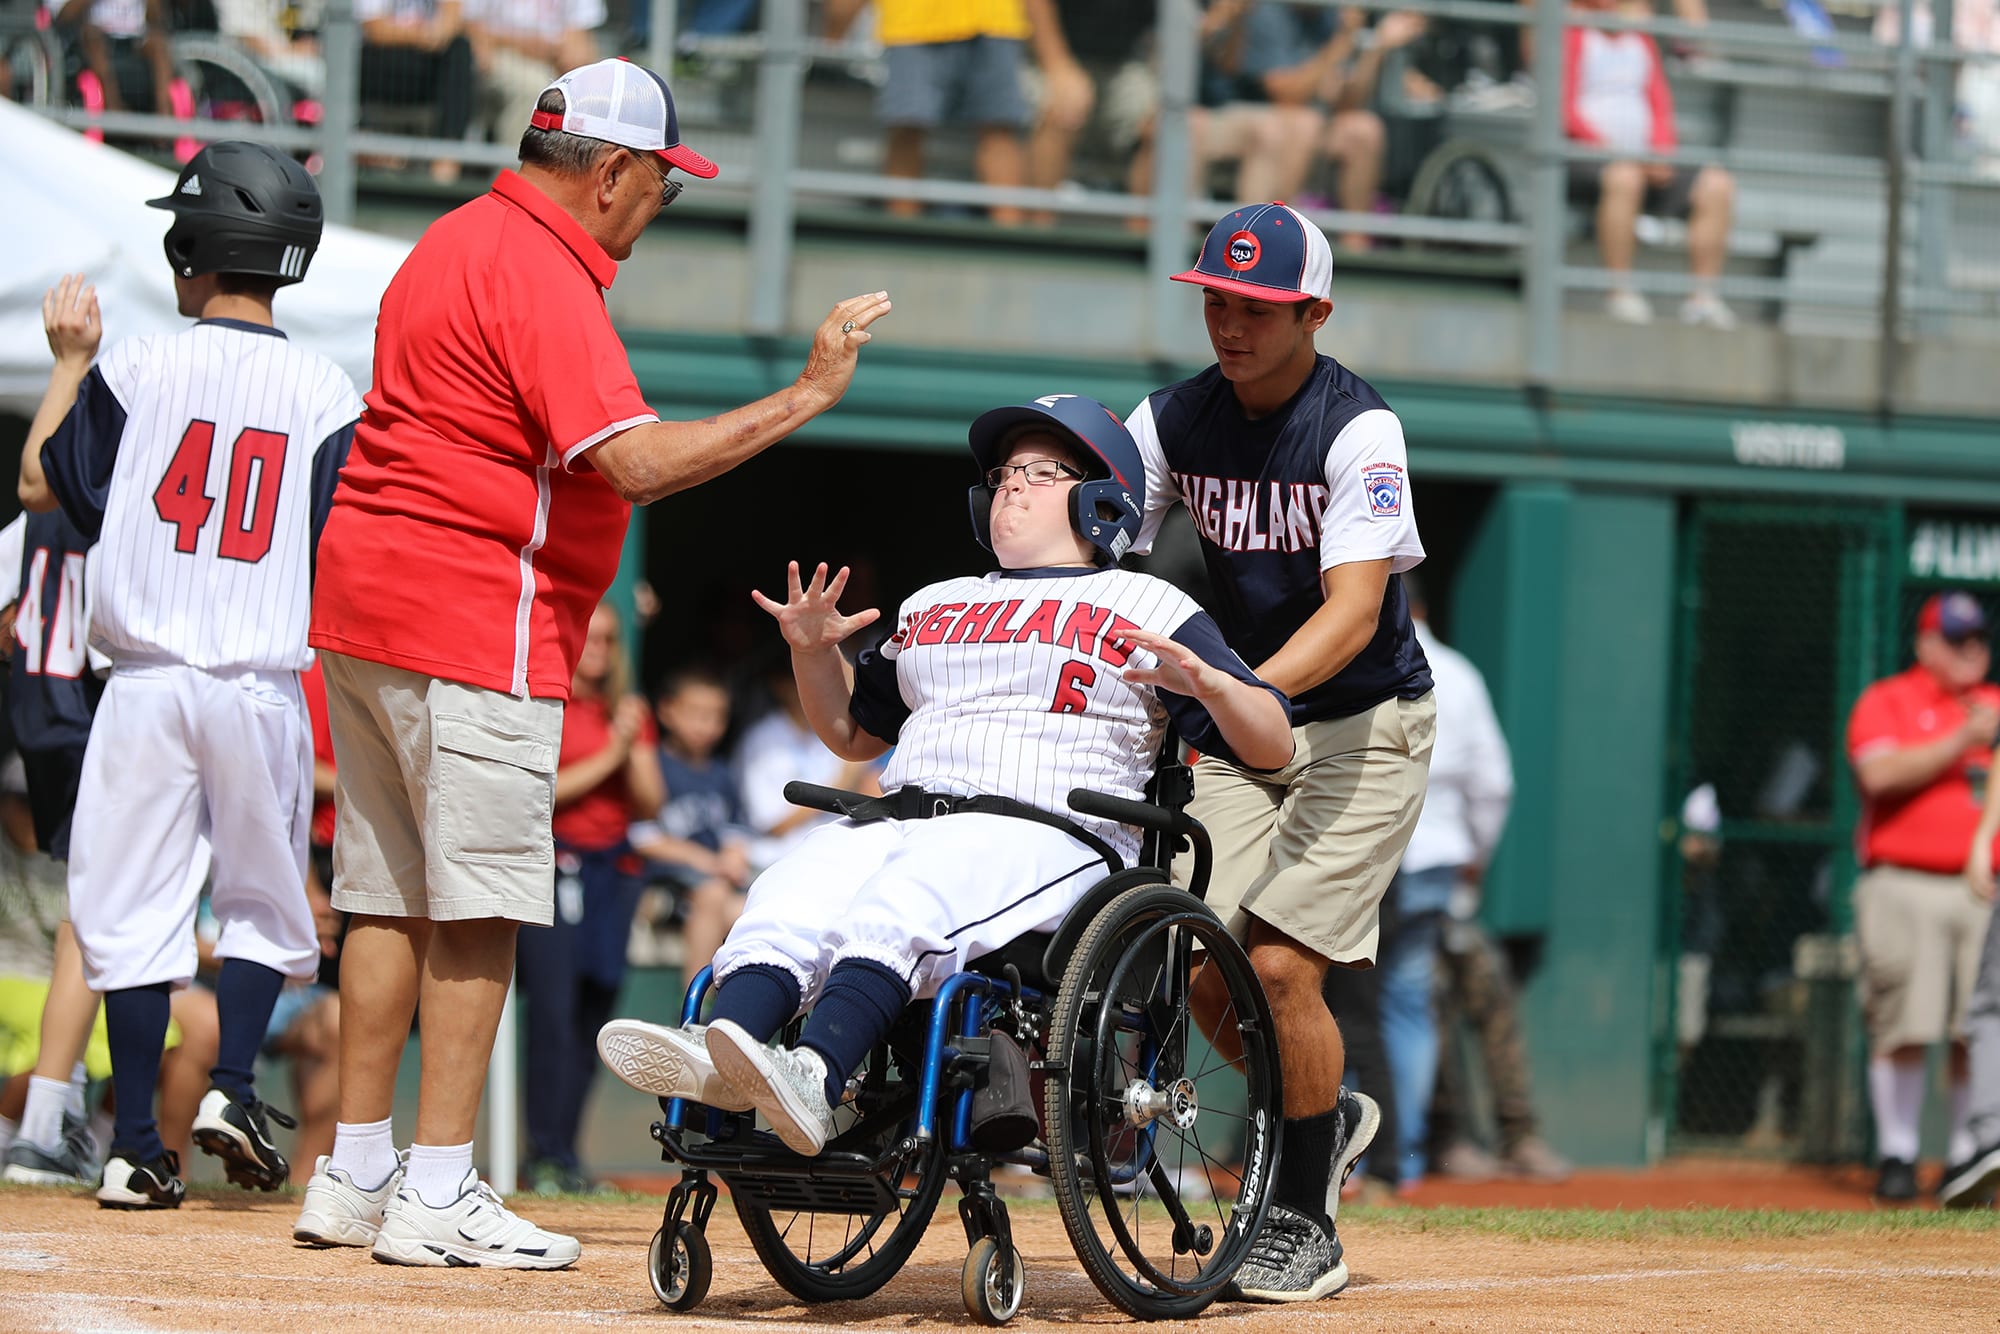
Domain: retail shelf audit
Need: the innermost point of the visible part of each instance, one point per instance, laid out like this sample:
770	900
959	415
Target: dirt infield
225	1261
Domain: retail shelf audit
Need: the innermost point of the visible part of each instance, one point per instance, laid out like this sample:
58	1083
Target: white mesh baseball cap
624	104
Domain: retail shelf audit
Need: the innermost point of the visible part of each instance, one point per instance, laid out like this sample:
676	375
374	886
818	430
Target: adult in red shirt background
1615	96
569	971
477	523
1921	743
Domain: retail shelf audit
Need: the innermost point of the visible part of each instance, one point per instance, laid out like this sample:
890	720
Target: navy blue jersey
702	802
52	691
1322	481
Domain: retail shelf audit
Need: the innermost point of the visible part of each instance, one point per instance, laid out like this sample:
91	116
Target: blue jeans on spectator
1409	1016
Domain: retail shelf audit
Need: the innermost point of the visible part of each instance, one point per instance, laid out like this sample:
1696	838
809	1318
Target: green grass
1653	1224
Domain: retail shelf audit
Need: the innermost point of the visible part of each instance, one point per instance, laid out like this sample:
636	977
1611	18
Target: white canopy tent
80	207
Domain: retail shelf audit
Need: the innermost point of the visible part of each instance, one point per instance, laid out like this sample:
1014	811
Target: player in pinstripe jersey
203	463
1057	671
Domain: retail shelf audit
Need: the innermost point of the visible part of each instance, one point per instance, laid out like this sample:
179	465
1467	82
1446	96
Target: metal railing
1910	255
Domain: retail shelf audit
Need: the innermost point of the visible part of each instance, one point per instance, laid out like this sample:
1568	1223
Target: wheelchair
1161	1153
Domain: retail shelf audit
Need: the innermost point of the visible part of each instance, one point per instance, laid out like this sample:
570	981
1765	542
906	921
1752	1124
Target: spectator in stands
1975	24
259	27
127	66
607	776
417	53
953	61
520	47
1615	96
1282	83
1916	741
1096	57
698	839
778	748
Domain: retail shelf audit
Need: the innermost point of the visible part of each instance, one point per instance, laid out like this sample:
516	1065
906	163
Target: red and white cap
624	104
1267	252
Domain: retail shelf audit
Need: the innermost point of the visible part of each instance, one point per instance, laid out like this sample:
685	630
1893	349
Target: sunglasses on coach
670	190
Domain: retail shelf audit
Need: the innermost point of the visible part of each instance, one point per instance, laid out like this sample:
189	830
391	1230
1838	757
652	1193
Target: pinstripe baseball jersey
203	462
52	689
1012	684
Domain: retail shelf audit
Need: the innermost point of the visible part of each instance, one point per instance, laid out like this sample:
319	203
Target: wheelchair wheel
1162	1153
826	1241
993	1281
680	1266
226	83
31	66
1460	179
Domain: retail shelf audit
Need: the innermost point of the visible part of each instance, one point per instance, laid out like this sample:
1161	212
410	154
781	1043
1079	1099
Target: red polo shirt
1930	829
599	818
469	538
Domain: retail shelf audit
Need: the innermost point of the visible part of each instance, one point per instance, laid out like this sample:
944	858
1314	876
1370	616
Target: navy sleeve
1200	633
877	703
79	457
328	460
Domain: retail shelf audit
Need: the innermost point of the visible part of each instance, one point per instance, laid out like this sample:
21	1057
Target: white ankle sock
41	1119
79	1084
1896	1093
437	1172
364	1151
1963	1145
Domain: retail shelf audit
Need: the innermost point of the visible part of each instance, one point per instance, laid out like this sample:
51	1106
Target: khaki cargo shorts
1311	848
445	792
1920	935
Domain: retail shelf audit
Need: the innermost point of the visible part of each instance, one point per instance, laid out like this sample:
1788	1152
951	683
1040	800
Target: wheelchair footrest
859	1191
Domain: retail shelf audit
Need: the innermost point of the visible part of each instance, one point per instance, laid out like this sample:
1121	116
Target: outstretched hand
1180	669
809	618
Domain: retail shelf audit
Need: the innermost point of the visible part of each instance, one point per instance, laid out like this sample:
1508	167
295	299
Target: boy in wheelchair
1000	693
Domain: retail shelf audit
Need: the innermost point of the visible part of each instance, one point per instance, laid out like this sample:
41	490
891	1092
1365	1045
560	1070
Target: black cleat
239	1133
153	1184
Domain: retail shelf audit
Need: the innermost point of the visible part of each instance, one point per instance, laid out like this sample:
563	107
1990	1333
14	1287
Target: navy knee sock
761	999
855	1011
135	1021
245	994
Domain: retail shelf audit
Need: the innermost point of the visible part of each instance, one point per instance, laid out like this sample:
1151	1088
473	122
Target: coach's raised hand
837	344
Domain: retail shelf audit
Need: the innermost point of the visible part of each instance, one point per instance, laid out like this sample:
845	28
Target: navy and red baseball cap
625	104
1269	252
1955	615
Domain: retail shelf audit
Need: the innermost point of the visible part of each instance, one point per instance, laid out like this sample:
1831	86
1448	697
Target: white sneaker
1706	308
788	1087
339	1213
1628	307
667	1062
476	1230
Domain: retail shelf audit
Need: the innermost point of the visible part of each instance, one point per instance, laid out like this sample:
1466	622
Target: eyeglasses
670	190
1040	472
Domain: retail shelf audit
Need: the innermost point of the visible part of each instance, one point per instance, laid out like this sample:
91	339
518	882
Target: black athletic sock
761	999
135	1021
1306	1171
245	994
855	1011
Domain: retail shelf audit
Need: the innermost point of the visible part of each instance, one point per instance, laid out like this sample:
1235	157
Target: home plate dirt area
225	1261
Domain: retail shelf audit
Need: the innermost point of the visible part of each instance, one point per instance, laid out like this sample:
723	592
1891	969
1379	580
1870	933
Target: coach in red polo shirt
1921	743
477	523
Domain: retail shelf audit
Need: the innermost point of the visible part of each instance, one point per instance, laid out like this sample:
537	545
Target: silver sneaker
339	1213
667	1062
474	1231
787	1086
71	1163
1291	1260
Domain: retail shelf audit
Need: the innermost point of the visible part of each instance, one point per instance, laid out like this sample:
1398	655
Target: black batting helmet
243	208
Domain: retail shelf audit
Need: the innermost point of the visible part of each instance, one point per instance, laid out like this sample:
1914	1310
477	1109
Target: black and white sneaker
1291	1260
239	1133
1970	1184
1360	1119
153	1184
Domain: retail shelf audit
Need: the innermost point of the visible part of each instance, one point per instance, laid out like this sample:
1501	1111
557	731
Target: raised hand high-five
809	617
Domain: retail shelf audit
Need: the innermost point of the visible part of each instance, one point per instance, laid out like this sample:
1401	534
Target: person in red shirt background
607	776
1921	744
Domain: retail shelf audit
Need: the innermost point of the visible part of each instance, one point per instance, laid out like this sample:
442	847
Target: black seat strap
914	803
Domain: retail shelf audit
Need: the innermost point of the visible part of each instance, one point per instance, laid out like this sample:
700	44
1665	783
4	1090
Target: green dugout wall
1570	584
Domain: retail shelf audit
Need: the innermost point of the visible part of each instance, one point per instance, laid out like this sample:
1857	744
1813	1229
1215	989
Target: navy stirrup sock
245	994
135	1021
855	1011
760	999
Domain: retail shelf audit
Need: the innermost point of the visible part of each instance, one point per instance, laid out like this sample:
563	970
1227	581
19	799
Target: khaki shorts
1311	848
445	793
1920	936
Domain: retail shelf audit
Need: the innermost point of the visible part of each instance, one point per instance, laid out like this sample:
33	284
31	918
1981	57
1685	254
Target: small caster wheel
680	1267
993	1281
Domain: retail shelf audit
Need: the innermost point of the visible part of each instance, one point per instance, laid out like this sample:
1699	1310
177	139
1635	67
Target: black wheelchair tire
1081	1117
681	1267
992	1281
193	53
1438	190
